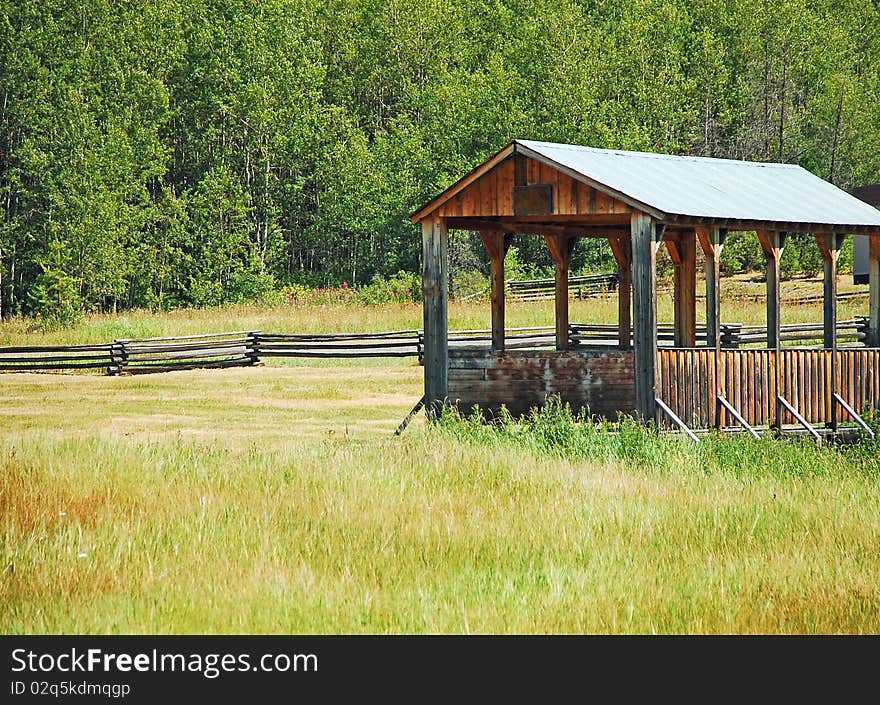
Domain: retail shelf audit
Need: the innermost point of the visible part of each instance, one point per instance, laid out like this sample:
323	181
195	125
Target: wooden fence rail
733	335
400	343
145	355
32	358
241	348
578	287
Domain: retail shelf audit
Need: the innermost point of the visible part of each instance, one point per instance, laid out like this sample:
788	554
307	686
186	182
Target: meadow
277	499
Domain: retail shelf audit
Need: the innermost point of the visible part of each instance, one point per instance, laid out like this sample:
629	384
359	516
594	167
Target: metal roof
670	187
704	187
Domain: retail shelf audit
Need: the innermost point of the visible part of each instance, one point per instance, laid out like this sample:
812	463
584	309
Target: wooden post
622	249
829	246
497	244
644	269
560	249
773	243
712	242
683	252
435	244
874	285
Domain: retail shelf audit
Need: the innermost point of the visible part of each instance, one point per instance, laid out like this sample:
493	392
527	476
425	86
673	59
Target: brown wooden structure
640	202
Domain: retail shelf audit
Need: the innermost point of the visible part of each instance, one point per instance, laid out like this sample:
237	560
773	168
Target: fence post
112	368
862	329
119	357
253	346
730	335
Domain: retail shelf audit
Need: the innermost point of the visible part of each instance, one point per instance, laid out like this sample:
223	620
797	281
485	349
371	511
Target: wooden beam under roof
731	224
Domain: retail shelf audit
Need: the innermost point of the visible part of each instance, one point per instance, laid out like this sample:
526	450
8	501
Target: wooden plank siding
492	194
748	380
599	381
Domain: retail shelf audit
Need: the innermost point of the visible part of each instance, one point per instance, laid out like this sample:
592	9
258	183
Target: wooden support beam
435	247
683	252
854	416
496	245
644	283
581	220
738	417
483	225
712	241
829	246
799	418
560	250
874	285
677	421
622	249
772	242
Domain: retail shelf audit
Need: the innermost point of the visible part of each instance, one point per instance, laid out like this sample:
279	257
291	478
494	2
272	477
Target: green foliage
401	288
200	153
555	431
55	296
742	253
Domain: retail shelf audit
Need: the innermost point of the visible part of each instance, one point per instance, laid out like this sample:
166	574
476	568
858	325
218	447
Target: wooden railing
145	355
241	348
400	343
578	287
32	358
852	330
733	335
692	379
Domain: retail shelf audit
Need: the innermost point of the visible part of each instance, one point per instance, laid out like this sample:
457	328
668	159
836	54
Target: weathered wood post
497	244
873	339
435	244
712	243
560	249
644	268
683	253
622	249
252	346
829	246
773	243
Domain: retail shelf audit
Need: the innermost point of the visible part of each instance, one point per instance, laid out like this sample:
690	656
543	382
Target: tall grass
279	501
555	431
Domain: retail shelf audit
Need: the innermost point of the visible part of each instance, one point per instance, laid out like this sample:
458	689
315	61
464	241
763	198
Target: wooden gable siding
492	194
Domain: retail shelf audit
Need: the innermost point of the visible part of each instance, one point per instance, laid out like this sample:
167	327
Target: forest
171	153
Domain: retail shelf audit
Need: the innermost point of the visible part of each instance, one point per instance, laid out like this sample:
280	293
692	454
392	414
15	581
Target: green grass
276	499
474	314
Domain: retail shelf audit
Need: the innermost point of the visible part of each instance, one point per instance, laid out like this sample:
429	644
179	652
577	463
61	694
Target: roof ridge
536	144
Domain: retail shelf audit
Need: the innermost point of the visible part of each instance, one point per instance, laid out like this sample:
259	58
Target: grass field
276	499
463	315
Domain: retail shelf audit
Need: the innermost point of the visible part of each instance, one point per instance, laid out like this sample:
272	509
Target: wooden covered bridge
640	202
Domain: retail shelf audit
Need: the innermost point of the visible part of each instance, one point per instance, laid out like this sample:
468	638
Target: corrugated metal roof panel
703	187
